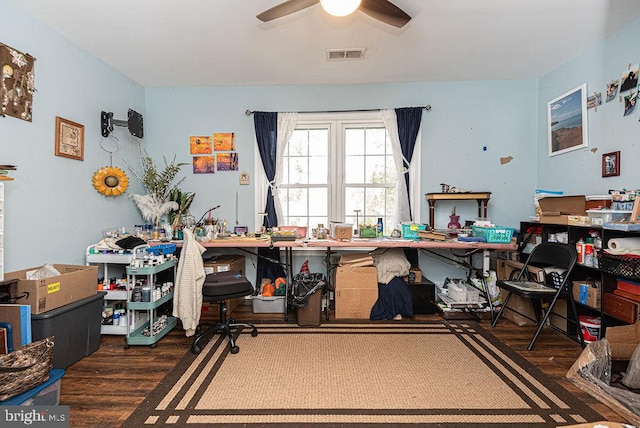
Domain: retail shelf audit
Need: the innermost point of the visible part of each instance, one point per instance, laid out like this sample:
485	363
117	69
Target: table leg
432	213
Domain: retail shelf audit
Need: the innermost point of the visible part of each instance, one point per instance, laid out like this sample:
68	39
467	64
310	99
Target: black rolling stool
217	288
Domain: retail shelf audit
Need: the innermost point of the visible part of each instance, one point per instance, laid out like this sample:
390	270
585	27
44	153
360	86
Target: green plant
158	183
184	200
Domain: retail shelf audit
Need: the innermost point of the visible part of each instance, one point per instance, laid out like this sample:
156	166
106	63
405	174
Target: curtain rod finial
248	112
427	107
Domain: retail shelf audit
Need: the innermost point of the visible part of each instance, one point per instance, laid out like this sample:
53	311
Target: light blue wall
52	210
580	171
470	127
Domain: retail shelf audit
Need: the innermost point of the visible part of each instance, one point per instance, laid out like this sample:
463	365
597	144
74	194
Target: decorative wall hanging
612	89
629	78
110	181
611	164
18	83
567	121
224	141
69	139
204	164
227	161
200	145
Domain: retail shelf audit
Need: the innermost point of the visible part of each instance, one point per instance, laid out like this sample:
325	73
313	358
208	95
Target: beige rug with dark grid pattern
352	375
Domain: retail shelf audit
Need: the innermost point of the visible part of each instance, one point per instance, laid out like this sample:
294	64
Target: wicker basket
25	368
619	265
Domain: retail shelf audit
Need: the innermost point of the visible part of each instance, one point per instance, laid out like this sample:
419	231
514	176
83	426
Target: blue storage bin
166	249
46	394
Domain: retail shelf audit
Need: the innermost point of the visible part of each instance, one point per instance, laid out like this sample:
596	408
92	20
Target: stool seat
218	287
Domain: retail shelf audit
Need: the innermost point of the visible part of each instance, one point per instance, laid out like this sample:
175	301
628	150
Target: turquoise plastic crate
410	230
494	235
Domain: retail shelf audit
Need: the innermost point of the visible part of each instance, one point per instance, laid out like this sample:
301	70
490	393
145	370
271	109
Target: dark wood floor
103	389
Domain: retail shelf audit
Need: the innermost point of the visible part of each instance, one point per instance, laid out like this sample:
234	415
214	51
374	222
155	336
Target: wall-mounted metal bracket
134	123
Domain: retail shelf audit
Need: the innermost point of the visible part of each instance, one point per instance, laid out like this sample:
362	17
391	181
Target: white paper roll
624	246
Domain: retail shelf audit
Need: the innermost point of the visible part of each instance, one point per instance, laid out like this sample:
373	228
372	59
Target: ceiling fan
382	10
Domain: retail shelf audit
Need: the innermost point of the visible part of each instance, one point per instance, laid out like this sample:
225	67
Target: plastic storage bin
268	305
76	328
600	217
46	394
494	235
165	249
410	230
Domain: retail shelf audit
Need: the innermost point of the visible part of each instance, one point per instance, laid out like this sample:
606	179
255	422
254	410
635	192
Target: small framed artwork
69	139
567	121
611	164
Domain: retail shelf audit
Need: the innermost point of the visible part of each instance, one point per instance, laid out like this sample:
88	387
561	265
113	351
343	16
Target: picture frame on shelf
611	164
567	121
69	139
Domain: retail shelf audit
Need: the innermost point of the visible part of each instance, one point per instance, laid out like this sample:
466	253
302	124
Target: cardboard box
557	209
587	293
623	340
356	291
224	263
74	283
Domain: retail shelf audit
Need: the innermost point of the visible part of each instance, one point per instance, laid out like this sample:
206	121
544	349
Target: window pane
353	200
354	169
318	202
299	173
319	142
376	169
354	141
376	141
318	170
298	143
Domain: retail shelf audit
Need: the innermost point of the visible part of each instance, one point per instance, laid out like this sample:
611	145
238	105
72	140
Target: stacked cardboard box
356	285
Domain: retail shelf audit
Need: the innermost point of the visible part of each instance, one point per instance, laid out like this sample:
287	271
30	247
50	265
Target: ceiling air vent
345	54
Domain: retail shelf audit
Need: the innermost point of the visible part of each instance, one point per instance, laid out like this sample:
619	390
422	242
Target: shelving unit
608	280
136	337
104	260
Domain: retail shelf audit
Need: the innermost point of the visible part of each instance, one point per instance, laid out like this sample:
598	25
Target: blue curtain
266	127
409	119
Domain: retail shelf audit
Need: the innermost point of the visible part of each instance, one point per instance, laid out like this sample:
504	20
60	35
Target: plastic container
600	217
46	394
76	328
410	230
268	305
166	249
590	328
494	235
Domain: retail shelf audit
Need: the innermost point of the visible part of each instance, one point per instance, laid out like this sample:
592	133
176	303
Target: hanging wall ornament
110	180
17	83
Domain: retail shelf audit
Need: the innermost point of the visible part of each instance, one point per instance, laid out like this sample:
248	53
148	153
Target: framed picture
567	121
69	139
611	164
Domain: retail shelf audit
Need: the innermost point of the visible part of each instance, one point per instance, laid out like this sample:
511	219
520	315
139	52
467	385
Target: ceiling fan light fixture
340	7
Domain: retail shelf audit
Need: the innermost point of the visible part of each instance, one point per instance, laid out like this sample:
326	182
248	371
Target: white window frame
336	123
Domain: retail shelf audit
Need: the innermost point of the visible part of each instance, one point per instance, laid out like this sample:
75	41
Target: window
340	169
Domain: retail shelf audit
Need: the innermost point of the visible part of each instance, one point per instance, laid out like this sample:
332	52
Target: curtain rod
250	112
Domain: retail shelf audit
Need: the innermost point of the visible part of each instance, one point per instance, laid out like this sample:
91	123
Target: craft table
482	198
358	243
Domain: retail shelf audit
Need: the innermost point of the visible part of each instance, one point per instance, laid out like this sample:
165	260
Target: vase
454	222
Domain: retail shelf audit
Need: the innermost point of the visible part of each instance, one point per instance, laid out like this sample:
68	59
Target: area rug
354	375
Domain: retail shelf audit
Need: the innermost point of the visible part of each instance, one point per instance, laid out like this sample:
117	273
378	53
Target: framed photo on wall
611	164
567	121
69	139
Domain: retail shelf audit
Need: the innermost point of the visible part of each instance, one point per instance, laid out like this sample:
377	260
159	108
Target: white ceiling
169	43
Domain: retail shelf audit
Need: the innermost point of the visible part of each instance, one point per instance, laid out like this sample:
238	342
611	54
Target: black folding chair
545	255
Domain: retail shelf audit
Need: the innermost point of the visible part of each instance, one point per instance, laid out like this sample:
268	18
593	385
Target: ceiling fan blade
286	8
385	11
